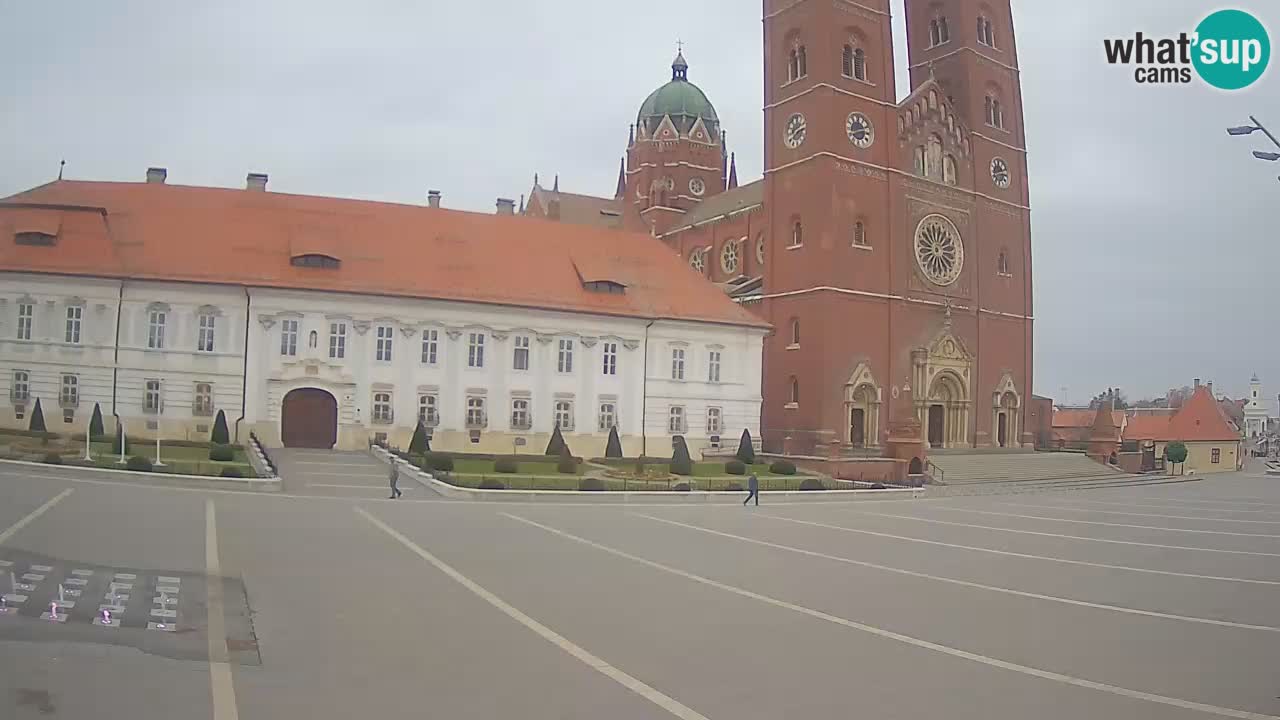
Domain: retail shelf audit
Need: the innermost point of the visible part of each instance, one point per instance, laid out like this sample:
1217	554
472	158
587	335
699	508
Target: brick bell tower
829	135
676	156
967	48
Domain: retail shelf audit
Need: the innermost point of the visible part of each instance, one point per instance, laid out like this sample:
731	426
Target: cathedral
888	243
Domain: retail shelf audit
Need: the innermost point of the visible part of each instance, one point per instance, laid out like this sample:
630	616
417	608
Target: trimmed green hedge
437	461
137	463
231	472
735	467
221	453
489	483
783	467
591	484
811	484
505	465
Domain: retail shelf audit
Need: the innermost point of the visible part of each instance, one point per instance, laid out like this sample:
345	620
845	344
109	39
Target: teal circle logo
1232	49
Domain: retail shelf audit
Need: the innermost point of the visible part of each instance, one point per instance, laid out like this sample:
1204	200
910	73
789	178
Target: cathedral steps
960	468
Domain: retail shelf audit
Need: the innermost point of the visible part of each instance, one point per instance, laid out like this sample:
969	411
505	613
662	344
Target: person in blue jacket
753	486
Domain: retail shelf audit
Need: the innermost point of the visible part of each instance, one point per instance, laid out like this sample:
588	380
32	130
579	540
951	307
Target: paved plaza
329	601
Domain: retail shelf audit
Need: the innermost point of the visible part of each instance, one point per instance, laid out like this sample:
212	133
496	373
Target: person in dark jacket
395	479
753	487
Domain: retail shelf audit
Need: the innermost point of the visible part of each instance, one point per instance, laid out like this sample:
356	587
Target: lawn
178	460
569	482
540	466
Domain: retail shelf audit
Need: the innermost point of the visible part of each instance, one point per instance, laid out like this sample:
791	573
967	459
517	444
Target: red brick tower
967	48
676	156
829	135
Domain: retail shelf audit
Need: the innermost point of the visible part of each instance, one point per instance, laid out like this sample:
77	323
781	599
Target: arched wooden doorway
309	419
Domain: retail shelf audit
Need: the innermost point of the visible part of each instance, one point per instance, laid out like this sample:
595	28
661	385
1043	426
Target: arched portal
309	419
947	411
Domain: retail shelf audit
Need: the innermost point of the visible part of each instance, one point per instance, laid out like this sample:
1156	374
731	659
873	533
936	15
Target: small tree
614	448
1176	452
746	452
681	463
37	419
121	443
557	443
220	435
418	443
95	423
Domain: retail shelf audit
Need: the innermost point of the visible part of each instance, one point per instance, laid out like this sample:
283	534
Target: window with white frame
155	329
520	417
677	363
337	340
713	366
609	352
797	234
26	313
70	393
202	401
382	408
289	338
986	35
204	340
715	421
151	399
476	417
564	360
675	420
520	355
430	346
383	348
20	390
564	414
429	409
475	350
75	314
608	416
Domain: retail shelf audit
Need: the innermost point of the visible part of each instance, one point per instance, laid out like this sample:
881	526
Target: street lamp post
1255	127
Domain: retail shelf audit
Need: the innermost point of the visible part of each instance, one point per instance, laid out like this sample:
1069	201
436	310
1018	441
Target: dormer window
40	239
315	260
608	287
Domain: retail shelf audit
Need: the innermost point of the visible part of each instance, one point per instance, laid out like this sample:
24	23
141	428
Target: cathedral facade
888	243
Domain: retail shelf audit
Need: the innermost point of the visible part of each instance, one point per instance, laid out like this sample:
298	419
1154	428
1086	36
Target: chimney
1210	386
1197	381
256	181
156	175
506	206
433	198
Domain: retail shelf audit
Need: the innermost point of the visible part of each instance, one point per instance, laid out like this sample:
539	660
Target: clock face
1000	173
697	186
861	134
794	134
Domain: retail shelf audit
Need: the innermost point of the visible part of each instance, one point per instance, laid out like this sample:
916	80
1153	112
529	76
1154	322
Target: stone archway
862	409
309	419
947	411
1006	414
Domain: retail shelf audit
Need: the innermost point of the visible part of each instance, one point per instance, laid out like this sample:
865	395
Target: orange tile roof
1081	418
1147	427
1201	419
218	235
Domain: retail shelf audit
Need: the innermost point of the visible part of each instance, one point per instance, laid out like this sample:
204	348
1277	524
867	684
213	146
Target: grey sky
1152	255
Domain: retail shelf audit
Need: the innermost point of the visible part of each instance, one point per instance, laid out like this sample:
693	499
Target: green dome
680	99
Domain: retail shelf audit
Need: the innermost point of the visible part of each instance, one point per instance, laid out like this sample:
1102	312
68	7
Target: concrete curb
693	496
271	484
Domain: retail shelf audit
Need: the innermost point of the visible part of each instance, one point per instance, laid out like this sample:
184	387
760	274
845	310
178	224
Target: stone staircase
963	468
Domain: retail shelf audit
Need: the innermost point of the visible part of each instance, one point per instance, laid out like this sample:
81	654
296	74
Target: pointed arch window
938	31
804	62
986	35
797	233
847	63
949	169
860	64
794	391
860	235
795	333
994	113
919	160
1002	264
798	62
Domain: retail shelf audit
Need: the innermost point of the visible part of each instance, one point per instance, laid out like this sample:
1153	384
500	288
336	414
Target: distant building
1071	427
1255	410
1213	444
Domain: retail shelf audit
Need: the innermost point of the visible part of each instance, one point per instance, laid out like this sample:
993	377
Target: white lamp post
124	440
88	437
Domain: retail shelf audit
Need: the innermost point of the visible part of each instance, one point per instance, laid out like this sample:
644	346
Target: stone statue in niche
933	158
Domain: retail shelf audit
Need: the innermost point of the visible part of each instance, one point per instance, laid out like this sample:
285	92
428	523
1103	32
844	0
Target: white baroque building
322	322
1255	411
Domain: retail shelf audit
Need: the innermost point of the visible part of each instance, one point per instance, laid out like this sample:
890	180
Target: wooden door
857	427
309	419
1002	432
936	413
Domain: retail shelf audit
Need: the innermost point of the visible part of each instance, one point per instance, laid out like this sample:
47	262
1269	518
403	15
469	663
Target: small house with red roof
1213	442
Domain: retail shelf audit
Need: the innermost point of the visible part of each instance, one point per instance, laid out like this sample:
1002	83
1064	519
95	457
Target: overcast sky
1153	255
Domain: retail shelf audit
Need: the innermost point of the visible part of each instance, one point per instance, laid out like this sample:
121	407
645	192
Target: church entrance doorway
1002	430
937	414
309	419
857	427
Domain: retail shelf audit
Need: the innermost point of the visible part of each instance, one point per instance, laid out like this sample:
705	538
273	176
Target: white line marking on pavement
1219	501
1172	507
220	681
965	583
8	533
1059	535
1108	524
907	639
1139	514
381	488
647	692
1028	556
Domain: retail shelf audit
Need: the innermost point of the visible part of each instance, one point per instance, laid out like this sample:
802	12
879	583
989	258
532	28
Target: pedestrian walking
753	486
395	479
